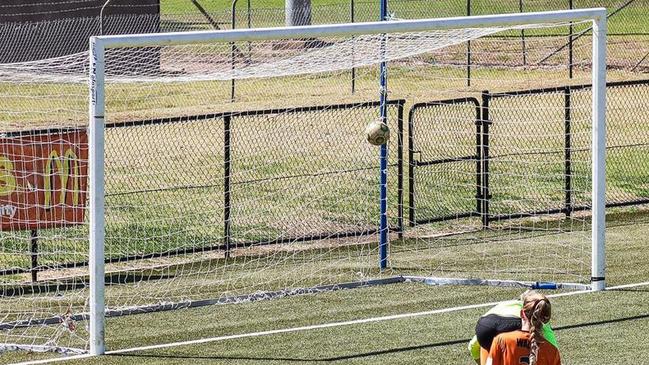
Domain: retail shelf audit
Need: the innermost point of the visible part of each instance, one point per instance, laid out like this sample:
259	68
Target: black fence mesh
526	153
159	175
627	165
318	179
219	182
533	149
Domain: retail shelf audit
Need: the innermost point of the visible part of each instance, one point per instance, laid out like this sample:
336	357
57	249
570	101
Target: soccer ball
377	133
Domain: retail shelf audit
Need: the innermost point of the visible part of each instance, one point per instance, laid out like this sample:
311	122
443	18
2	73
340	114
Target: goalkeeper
504	317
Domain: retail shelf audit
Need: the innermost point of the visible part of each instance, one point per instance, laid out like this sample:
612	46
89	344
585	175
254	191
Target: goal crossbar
351	29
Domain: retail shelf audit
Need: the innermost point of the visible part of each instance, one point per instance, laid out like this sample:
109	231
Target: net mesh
228	61
241	171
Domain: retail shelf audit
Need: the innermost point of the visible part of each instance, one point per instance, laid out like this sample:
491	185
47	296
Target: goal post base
437	281
67	351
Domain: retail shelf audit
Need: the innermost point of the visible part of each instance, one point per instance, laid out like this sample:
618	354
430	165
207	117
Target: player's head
536	311
536	307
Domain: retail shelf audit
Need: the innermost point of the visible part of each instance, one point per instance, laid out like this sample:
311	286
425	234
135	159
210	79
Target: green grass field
627	27
594	326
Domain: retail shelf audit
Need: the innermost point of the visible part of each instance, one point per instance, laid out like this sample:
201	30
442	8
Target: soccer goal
233	166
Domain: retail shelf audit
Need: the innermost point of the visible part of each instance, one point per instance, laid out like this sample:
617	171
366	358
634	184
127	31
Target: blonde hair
538	310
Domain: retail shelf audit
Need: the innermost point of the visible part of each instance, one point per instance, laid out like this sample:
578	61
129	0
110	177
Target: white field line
312	327
628	286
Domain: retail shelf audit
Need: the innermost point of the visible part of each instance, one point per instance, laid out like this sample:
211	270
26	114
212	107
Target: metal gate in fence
444	148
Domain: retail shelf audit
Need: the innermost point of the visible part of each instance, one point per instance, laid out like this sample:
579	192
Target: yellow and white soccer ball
378	133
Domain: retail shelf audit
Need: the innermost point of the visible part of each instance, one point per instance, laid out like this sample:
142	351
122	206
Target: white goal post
100	45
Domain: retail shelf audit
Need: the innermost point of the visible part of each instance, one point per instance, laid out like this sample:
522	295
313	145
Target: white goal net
235	167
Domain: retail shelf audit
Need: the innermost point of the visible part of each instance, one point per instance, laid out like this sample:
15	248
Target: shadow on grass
367	354
326	359
633	290
599	323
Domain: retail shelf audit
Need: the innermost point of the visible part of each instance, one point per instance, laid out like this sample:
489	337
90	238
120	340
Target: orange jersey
513	348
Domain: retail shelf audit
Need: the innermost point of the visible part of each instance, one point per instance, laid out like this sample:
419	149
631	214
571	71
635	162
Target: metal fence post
233	49
567	151
411	168
249	10
227	164
34	253
352	19
400	226
486	97
478	159
520	10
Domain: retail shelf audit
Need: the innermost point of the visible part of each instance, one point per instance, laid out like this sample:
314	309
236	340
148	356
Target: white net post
96	197
599	154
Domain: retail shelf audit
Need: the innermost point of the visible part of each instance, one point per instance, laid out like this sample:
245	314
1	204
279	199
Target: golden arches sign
66	167
43	180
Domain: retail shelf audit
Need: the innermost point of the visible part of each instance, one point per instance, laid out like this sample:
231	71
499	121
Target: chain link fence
501	158
214	182
628	28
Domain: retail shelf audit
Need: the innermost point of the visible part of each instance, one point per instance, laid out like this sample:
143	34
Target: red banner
43	180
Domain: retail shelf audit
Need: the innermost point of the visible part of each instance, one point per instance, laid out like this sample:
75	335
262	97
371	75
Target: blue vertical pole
383	226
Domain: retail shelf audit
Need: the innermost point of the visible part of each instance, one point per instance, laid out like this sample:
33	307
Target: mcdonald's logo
43	180
64	168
